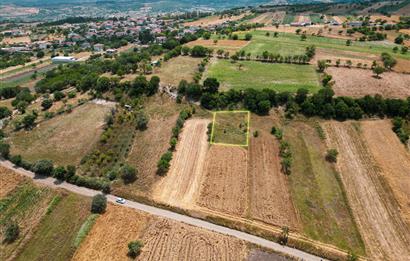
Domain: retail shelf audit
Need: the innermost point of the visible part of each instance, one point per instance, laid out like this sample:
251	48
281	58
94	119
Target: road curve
52	182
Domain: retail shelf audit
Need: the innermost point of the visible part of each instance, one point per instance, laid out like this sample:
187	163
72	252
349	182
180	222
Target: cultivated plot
230	128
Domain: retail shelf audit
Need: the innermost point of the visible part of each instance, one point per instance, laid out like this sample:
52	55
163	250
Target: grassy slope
54	238
25	205
290	44
257	75
317	193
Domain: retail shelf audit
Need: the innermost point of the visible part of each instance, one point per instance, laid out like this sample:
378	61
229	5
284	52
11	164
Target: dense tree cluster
12	59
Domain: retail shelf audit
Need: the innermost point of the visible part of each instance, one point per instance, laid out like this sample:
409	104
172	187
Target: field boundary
230	144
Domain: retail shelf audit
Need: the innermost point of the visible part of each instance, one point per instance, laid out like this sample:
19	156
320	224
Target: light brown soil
360	82
182	184
8	181
219	44
344	56
391	19
110	235
213	20
339	19
270	197
402	66
269	17
385	235
15	40
169	240
312	30
225	186
393	159
302	19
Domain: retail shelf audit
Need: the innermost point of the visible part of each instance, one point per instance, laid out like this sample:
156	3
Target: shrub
43	167
16	160
331	155
164	163
46	104
99	204
111	175
173	143
256	134
134	248
4	112
12	233
4	149
128	173
142	121
59	173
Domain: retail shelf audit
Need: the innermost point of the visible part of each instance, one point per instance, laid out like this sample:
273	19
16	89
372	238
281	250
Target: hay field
177	69
9	180
65	139
230	127
213	20
385	234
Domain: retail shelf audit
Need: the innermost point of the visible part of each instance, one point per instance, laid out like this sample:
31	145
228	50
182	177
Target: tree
321	65
128	173
399	39
206	35
298	31
173	143
22	106
43	167
4	112
29	121
153	85
185	50
46	104
99	204
103	84
145	36
211	85
248	37
12	232
303	37
4	149
40	54
71	170
58	95
301	95
142	120
199	51
378	70
348	42
134	248
331	155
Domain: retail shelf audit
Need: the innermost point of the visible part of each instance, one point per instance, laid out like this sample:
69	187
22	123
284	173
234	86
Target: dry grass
213	20
65	139
8	180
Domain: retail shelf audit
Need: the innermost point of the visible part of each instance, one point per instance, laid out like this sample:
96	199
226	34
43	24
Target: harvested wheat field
270	197
385	234
111	233
219	44
213	20
8	180
269	18
182	184
393	159
344	56
177	69
360	82
225	184
169	240
65	139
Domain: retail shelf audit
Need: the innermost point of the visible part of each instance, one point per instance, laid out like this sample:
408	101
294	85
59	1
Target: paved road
168	214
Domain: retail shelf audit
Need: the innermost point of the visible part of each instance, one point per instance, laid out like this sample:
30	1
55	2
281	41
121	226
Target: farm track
385	235
182	183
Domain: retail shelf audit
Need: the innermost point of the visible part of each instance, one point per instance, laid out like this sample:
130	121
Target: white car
120	200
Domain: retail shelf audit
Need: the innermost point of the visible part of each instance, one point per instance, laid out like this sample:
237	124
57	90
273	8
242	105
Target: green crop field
317	191
54	239
258	75
290	44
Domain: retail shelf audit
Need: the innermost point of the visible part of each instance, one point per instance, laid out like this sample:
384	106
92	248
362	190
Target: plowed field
270	197
169	240
225	186
110	235
183	181
385	235
393	159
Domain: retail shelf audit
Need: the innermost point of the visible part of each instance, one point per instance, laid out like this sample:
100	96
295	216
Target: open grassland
65	139
317	194
177	69
290	44
169	240
385	234
150	144
110	235
8	180
54	237
393	159
25	205
360	82
230	128
182	184
258	75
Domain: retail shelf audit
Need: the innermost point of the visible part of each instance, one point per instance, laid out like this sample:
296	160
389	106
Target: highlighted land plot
230	128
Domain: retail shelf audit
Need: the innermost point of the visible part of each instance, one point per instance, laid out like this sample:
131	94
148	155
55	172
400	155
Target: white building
63	59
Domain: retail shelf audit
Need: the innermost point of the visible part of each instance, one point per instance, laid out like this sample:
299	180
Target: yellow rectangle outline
228	144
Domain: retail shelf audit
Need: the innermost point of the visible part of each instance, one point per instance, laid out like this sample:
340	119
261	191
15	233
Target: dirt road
48	181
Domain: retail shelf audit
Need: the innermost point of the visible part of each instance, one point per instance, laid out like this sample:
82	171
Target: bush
4	112
12	233
331	155
43	167
164	163
111	175
128	173
4	149
46	104
142	121
16	160
134	248
173	143
99	204
59	173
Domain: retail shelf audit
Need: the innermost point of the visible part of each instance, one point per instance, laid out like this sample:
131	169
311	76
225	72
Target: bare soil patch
213	20
225	186
16	40
385	234
360	82
169	240
393	159
110	235
344	56
389	19
219	44
182	184
270	200
8	180
269	17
